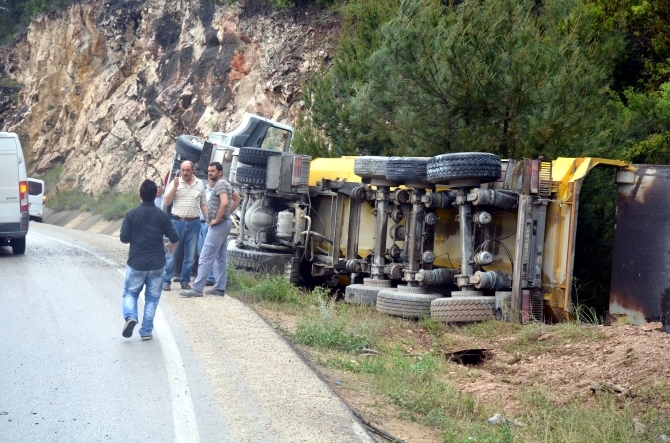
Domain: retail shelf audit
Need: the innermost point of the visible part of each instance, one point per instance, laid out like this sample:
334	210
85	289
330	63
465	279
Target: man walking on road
144	227
223	201
187	196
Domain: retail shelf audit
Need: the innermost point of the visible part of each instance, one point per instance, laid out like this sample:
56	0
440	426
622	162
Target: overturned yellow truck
460	237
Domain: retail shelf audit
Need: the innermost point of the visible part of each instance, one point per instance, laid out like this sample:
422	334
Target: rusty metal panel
641	261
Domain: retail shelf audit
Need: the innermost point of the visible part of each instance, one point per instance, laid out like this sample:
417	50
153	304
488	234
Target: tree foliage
15	15
503	76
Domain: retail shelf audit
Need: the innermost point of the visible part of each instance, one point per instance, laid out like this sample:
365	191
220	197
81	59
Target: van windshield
34	188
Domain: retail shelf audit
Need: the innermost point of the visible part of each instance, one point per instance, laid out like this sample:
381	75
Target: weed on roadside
274	288
605	419
325	330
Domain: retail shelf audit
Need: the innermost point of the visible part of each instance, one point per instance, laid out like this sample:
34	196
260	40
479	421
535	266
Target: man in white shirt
187	196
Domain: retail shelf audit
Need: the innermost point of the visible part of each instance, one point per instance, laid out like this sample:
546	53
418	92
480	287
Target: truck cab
254	131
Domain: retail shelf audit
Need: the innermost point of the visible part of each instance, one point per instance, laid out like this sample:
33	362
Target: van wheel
38	219
18	245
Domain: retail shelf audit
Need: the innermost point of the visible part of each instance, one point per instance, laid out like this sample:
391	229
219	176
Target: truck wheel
407	169
189	147
481	166
463	309
361	294
370	167
18	245
250	175
248	259
256	156
404	304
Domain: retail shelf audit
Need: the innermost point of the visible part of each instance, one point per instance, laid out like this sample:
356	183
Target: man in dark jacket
144	227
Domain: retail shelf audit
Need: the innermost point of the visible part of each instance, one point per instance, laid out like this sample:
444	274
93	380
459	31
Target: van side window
34	188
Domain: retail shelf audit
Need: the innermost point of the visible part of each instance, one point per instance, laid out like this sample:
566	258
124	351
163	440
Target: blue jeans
201	241
214	257
135	280
188	238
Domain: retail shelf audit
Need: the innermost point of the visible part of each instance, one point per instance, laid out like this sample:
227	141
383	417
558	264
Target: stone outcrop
108	86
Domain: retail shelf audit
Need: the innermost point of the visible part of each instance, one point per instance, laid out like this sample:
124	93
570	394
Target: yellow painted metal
332	169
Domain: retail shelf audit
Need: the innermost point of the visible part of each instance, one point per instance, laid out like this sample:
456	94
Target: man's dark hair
218	165
148	191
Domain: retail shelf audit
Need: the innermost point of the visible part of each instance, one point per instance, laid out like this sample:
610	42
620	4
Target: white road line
183	412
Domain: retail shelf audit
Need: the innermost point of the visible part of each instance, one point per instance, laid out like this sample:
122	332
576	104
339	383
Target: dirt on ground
632	362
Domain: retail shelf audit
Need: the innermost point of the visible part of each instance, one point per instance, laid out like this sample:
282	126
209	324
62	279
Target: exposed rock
107	87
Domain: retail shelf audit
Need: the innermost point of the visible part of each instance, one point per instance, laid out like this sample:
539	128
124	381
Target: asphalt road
214	372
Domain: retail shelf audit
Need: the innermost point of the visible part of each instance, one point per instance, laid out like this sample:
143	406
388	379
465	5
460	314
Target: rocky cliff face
108	86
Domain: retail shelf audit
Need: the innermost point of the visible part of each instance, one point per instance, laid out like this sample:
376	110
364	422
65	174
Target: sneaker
185	286
215	291
187	293
167	287
209	283
147	337
128	328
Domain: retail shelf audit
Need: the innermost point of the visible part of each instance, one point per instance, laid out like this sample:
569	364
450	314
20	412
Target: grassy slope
562	383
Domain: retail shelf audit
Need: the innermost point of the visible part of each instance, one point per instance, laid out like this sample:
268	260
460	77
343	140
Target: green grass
325	329
111	204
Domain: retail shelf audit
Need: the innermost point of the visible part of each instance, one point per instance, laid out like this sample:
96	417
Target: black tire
189	147
481	166
463	309
404	169
295	277
255	156
361	295
370	167
403	304
248	259
18	245
38	219
250	175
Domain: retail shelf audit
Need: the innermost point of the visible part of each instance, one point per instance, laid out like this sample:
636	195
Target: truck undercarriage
459	237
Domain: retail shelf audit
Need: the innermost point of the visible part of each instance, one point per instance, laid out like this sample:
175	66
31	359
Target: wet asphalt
216	373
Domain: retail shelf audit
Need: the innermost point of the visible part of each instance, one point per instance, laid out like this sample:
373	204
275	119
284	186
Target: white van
36	198
14	216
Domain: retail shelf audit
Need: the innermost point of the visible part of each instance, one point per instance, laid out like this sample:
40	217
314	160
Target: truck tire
248	259
189	147
407	169
358	294
256	156
463	309
403	304
18	245
370	167
481	166
250	175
